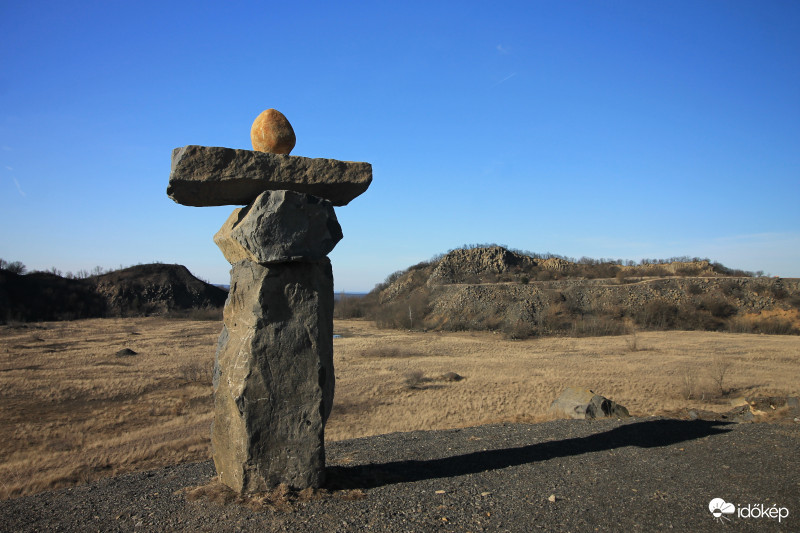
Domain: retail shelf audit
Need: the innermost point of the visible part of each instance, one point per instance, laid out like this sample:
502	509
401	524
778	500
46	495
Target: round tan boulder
271	132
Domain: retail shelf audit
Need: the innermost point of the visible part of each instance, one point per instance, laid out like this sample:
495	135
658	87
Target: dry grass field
72	410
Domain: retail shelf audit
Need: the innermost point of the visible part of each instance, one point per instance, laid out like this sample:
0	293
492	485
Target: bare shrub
195	372
719	368
519	330
688	383
382	352
772	325
692	317
553	319
731	288
408	313
546	275
414	379
779	292
15	267
718	307
657	314
741	325
597	326
575	301
633	342
694	289
352	306
775	326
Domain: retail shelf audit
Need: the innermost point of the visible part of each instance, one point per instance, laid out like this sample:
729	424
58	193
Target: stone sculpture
273	371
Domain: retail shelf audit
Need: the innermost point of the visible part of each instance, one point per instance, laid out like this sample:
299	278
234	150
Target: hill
137	290
156	288
523	294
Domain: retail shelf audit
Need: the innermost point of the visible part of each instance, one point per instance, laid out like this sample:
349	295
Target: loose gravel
640	474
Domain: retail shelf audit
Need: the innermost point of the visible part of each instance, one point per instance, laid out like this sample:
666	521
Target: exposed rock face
271	132
467	266
585	404
273	376
207	175
280	226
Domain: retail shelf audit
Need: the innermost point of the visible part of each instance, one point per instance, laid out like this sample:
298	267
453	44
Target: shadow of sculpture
647	434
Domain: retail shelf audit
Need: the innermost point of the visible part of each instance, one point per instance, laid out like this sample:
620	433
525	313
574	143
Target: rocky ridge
496	288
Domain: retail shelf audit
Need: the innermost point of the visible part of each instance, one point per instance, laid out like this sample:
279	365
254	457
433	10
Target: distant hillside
138	290
41	296
156	288
522	294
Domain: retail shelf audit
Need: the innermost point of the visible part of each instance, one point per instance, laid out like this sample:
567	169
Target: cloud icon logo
720	507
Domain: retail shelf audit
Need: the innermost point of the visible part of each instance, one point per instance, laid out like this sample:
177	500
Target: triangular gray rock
279	227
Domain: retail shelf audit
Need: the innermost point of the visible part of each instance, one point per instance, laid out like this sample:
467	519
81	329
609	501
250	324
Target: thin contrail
505	79
18	187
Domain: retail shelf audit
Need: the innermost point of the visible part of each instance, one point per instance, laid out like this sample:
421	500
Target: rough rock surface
208	175
585	404
465	266
280	226
273	376
271	132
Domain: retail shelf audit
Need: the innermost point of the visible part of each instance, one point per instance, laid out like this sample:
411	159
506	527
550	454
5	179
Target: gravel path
641	474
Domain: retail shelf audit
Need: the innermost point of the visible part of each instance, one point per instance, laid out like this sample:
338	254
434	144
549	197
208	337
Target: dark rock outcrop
155	288
137	290
41	296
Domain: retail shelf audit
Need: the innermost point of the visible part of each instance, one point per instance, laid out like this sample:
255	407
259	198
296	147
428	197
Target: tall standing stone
273	376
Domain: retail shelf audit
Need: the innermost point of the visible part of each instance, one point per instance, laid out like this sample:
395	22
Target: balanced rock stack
273	372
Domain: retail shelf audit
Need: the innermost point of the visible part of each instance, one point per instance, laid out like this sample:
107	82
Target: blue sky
607	129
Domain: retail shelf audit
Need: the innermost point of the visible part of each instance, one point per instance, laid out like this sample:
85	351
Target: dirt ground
74	408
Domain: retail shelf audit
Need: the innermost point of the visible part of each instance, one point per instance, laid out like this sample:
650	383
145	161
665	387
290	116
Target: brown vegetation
73	410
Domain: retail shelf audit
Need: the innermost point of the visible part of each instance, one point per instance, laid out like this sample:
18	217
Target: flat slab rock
204	176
